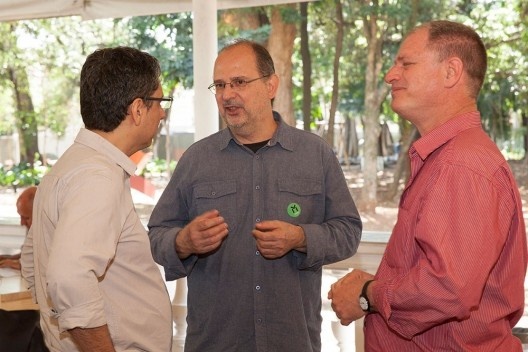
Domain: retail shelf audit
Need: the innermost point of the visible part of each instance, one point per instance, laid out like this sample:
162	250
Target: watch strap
364	294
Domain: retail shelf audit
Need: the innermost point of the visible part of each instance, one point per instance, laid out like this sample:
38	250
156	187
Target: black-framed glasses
236	84
165	102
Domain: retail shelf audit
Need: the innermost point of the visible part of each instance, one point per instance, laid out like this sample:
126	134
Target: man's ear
454	71
273	85
136	110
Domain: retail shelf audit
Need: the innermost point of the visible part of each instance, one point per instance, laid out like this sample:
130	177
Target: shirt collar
99	144
282	136
442	134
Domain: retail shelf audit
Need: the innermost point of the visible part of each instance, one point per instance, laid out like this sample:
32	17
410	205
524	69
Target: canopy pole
205	49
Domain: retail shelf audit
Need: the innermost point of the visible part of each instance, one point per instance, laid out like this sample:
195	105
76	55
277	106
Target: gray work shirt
237	299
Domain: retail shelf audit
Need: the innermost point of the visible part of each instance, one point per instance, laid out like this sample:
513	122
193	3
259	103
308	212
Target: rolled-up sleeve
85	242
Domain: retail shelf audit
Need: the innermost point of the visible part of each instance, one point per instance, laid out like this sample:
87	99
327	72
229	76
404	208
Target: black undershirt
256	146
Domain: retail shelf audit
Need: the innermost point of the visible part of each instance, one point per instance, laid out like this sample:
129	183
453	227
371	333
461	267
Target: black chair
20	331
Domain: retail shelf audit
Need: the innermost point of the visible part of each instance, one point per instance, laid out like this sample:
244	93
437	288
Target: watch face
363	303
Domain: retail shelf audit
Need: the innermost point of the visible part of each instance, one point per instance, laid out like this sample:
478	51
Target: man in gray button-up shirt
250	216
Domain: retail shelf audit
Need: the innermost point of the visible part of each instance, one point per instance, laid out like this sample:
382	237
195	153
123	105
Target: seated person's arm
10	261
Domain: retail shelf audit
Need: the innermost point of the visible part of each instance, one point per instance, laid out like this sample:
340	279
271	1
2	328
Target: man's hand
345	296
203	234
276	238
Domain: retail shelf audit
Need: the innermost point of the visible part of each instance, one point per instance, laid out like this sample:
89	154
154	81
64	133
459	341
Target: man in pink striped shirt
452	277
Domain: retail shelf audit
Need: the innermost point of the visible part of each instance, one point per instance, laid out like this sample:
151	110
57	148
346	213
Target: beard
234	115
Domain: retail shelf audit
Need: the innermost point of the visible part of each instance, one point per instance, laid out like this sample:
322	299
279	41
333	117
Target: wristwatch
364	302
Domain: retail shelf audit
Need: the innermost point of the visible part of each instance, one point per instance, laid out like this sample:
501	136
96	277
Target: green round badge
294	210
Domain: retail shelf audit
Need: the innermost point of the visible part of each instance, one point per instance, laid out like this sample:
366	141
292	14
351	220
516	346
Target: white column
179	315
345	336
205	49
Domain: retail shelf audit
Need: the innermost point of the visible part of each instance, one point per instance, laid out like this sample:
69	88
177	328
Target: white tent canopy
94	9
204	32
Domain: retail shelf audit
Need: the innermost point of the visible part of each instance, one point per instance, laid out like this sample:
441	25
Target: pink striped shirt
452	276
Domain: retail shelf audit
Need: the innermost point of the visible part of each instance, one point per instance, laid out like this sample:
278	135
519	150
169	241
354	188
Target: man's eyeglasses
236	84
165	102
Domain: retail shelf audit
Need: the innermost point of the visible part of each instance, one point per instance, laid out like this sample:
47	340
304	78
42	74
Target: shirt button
257	253
213	193
258	156
259	320
257	187
257	288
257	220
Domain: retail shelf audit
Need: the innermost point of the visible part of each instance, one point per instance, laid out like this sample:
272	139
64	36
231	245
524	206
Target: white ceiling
93	9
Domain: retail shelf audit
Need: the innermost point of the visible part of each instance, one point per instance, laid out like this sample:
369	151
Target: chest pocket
301	201
219	195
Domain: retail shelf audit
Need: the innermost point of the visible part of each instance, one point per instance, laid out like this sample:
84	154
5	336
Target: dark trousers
20	331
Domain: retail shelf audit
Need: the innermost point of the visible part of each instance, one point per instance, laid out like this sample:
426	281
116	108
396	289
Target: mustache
231	104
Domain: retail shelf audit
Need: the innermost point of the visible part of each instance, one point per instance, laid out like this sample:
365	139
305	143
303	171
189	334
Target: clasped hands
344	295
206	232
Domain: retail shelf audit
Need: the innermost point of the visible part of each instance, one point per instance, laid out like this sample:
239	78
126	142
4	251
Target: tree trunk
337	57
243	19
280	46
307	68
373	98
26	121
409	134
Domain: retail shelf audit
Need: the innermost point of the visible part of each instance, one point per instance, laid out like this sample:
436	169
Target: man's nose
391	75
228	91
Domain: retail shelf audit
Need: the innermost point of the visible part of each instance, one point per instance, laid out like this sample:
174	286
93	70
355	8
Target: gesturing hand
276	238
202	235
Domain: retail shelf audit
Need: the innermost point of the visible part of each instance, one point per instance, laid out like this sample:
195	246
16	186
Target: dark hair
263	58
448	39
111	78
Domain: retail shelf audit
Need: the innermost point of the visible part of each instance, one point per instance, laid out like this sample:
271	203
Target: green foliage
504	91
22	175
52	52
289	14
259	35
7	121
168	38
233	24
158	168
